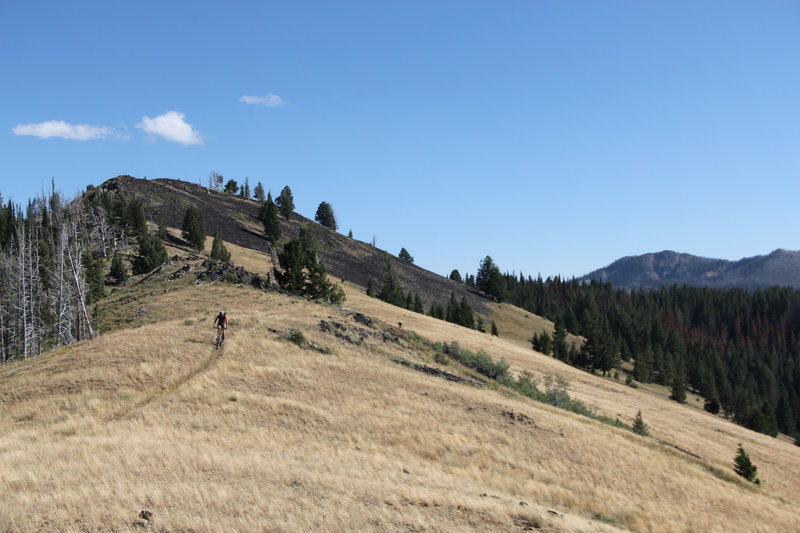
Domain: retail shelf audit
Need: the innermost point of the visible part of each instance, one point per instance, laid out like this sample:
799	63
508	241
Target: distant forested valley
740	350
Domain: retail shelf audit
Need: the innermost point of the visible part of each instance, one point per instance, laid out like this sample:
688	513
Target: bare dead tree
75	251
35	292
215	180
61	289
5	292
99	231
22	335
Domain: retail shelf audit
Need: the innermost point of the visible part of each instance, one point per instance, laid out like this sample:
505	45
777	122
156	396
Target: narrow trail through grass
207	363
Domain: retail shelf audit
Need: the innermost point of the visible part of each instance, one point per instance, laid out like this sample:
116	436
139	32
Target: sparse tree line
270	208
301	270
454	310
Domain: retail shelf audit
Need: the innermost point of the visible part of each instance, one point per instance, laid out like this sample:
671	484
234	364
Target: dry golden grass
252	260
519	325
265	435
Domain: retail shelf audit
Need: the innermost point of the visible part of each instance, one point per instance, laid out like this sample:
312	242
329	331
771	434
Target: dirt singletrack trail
207	363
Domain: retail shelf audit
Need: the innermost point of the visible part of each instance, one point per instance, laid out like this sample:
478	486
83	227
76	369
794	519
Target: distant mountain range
781	268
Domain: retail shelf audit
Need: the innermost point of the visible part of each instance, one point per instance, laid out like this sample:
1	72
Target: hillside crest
237	220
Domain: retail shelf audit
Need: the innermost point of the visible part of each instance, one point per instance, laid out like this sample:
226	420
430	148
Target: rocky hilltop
237	220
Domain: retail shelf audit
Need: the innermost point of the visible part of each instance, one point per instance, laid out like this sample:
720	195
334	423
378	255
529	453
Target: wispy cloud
65	130
271	100
172	127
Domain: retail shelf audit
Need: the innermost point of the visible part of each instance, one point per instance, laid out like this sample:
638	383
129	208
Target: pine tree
325	216
151	253
392	291
455	275
308	243
291	276
494	329
118	270
419	307
405	256
285	203
599	351
542	343
370	288
451	312
302	272
194	227
744	467
784	416
491	281
436	310
231	187
678	390
639	427
559	341
120	210
269	215
94	277
218	250
162	228
317	284
712	405
136	219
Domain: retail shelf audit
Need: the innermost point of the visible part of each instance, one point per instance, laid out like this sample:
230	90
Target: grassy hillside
334	434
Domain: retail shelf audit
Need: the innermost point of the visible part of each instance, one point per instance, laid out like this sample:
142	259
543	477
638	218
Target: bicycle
220	337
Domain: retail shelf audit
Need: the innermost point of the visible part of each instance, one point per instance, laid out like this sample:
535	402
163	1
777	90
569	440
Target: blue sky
554	136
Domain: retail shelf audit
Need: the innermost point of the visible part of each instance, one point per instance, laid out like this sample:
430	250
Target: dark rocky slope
236	218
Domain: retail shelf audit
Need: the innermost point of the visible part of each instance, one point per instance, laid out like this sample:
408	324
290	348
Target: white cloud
65	130
172	127
271	100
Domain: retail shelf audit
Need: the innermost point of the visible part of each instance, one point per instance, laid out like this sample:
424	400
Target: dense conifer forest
740	350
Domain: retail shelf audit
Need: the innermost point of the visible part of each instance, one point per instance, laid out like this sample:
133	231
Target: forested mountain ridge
780	268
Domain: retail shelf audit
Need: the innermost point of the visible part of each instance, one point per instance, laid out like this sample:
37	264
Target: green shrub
639	427
296	336
744	467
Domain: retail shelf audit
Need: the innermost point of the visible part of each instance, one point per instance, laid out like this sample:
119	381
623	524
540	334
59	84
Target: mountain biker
222	321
